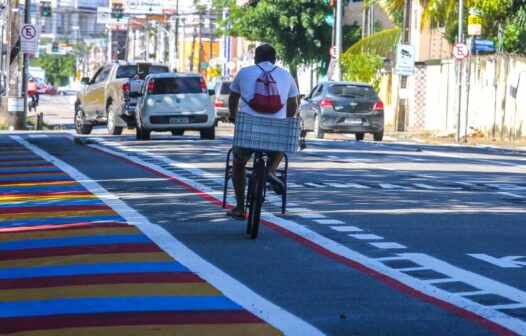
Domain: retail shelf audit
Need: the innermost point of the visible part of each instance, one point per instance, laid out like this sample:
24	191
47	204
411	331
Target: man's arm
233	103
292	107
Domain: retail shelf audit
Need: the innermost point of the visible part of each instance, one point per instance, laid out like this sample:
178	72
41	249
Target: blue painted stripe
24	164
116	305
30	170
36	178
69	220
73	241
104	268
20	157
45	188
51	203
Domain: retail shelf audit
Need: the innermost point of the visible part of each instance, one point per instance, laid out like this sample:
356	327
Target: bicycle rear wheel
254	213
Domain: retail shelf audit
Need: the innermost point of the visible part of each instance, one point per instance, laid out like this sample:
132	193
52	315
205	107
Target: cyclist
243	88
32	92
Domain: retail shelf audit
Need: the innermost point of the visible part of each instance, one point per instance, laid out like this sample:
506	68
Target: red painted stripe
495	327
35	182
34	158
20	324
76	250
57	208
47	227
46	193
99	279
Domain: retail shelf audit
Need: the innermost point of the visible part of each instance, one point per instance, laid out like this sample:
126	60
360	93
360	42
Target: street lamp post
459	68
337	69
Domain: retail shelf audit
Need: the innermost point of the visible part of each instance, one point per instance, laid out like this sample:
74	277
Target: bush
362	68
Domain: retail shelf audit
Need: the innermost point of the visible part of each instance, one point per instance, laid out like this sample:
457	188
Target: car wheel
81	125
359	136
208	133
112	129
378	136
177	132
318	132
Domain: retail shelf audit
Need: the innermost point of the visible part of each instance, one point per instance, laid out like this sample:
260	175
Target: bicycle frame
255	192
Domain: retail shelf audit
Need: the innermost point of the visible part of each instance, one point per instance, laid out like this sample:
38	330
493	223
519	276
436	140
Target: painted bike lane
69	262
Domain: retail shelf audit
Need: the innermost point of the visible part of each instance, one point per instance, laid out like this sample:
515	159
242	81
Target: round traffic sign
460	51
28	32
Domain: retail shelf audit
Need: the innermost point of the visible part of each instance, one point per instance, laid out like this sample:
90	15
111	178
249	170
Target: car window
318	91
129	71
312	92
103	74
176	85
352	91
96	76
225	88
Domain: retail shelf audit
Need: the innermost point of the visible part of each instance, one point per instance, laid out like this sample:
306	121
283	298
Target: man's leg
239	181
274	160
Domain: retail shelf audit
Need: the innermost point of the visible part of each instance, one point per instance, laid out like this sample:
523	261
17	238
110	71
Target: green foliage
58	68
296	28
382	43
361	67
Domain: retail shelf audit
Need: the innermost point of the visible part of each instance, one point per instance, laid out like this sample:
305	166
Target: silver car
220	99
175	102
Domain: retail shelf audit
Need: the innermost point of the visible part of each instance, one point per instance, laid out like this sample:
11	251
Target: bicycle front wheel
257	198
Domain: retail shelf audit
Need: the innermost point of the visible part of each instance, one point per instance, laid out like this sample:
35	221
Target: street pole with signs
459	67
474	29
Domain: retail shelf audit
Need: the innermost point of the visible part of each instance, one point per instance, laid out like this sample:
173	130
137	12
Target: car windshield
351	91
129	71
225	88
177	85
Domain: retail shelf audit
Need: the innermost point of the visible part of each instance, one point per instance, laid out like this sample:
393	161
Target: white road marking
430	187
298	210
329	221
248	299
512	195
346	228
356	185
366	236
421	285
393	186
38	135
294	185
504	262
509	306
312	215
388	245
412	269
505	186
410	158
382	259
336	185
315	185
472	293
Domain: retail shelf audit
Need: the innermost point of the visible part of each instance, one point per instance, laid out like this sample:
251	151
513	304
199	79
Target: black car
343	107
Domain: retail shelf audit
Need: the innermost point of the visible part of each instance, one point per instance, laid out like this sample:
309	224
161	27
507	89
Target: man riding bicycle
243	87
32	92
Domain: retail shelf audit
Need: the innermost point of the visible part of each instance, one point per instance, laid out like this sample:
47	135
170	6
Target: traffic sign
29	35
474	25
484	45
460	51
405	60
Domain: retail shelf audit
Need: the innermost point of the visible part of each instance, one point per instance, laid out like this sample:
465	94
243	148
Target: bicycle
263	135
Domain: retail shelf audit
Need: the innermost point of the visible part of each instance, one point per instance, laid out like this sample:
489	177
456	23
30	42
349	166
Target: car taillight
379	105
203	85
126	87
151	87
326	103
219	103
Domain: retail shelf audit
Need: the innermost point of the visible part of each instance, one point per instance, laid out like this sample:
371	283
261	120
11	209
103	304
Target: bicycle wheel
257	198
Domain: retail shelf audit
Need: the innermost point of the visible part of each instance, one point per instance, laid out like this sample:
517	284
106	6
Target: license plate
178	120
353	121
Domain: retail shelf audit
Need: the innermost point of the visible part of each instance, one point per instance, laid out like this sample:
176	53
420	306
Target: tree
58	67
362	67
296	28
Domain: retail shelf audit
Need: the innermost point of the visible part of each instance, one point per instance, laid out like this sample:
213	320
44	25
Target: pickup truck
110	96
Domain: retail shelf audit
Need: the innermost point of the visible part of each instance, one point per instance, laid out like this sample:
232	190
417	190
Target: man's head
265	53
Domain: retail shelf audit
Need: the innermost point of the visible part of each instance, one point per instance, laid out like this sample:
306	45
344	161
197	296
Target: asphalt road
378	238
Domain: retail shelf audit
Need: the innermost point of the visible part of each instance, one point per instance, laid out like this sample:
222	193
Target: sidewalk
70	265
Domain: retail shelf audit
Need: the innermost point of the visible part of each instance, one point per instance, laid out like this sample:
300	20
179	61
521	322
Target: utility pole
339	16
459	67
200	43
401	113
21	122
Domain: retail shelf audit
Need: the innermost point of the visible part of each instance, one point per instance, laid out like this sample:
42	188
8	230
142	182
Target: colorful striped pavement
70	265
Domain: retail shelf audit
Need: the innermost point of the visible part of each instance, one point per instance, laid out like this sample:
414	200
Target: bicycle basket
271	134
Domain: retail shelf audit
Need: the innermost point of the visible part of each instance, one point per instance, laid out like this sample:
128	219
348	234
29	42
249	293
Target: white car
175	102
70	90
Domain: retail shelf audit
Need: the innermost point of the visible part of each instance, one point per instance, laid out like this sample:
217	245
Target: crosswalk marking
366	236
329	221
349	228
388	245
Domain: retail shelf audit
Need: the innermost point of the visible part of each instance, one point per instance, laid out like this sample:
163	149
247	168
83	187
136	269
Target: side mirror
84	80
211	92
302	96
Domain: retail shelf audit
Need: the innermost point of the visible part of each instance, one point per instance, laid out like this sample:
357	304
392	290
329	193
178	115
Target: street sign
405	60
474	25
143	6
332	51
484	45
460	51
29	35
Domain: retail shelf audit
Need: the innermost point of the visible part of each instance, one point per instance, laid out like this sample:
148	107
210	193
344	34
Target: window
103	74
352	91
176	85
129	71
311	94
225	88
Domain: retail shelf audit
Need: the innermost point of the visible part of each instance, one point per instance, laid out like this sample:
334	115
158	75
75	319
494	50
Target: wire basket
268	134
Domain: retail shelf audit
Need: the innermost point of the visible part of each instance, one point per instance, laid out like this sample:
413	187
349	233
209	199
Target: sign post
405	60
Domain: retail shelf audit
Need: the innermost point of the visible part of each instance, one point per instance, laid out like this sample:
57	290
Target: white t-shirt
245	84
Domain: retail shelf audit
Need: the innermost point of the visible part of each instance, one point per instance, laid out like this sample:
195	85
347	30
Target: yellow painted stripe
68	233
38	198
112	290
35	174
240	329
39	183
86	259
61	214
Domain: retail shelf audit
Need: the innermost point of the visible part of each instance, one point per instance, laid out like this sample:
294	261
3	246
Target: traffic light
117	11
45	8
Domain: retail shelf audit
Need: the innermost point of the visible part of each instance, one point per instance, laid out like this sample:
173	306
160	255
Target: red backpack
267	99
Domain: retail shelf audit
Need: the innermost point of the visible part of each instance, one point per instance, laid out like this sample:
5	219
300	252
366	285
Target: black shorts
242	155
